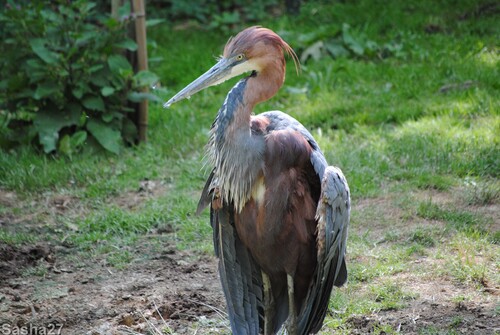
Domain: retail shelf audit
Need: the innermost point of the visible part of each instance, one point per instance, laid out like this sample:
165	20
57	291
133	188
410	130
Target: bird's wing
280	121
239	273
333	215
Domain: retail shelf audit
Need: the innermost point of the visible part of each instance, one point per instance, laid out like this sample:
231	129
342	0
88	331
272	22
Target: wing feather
333	214
239	273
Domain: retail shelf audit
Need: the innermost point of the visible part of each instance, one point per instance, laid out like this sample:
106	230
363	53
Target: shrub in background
64	80
215	13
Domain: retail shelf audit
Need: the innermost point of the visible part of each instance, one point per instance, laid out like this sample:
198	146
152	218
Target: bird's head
253	50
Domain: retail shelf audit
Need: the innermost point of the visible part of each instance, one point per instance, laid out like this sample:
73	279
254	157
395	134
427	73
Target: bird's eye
240	57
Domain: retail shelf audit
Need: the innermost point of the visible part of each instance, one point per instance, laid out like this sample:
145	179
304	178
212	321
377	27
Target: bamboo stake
142	63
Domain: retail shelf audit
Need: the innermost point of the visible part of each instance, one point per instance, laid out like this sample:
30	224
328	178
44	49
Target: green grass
464	221
39	270
16	238
407	130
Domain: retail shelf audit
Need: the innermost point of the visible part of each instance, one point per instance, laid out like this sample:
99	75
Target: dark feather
333	218
206	195
239	274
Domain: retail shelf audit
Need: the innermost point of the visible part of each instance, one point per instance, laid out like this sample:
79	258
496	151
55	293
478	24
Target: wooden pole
142	63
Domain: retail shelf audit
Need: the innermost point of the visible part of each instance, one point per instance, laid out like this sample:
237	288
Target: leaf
108	137
351	42
65	145
74	110
314	51
35	64
48	123
36	76
94	103
87	7
357	48
55	120
38	47
95	68
129	131
145	78
49	15
101	78
336	49
320	33
77	92
107	91
155	59
69	144
108	117
140	96
127	44
296	90
153	22
124	11
46	89
346	35
78	139
84	38
48	140
118	63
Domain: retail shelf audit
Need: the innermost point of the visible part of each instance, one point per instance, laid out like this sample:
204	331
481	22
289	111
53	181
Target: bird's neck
233	150
233	119
264	84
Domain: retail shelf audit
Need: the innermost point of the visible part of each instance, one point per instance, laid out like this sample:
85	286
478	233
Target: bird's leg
269	308
291	326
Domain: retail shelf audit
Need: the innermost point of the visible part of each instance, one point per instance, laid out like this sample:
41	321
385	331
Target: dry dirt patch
426	317
172	289
440	306
52	284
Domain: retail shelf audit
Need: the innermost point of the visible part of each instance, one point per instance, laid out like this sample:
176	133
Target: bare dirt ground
90	298
48	289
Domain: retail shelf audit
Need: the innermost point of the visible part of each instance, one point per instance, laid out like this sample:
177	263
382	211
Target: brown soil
45	286
181	293
172	290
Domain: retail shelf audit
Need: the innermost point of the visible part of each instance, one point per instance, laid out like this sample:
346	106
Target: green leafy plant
65	81
346	43
214	14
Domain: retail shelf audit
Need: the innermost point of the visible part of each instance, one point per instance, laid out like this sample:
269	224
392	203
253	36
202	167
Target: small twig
220	312
151	325
459	86
158	311
33	311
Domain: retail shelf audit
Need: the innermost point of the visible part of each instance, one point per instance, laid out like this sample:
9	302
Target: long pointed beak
219	73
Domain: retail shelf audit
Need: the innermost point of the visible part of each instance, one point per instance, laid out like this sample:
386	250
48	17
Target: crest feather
252	35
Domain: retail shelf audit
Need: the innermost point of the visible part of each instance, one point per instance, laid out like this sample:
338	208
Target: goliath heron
279	213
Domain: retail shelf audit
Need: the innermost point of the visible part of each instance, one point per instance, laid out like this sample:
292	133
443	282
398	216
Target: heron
279	212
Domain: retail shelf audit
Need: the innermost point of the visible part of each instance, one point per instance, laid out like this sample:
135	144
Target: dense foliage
213	13
65	79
